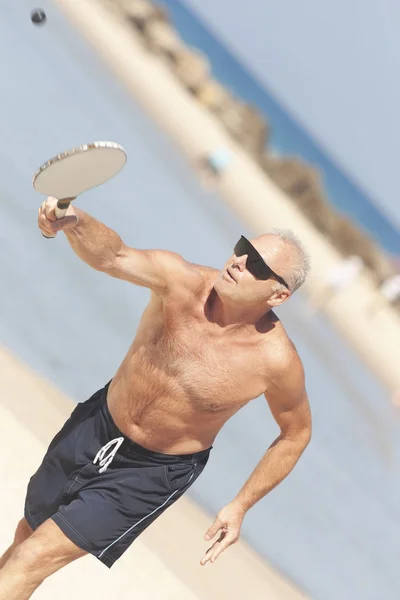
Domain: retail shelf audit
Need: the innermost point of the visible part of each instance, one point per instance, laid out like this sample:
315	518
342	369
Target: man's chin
223	288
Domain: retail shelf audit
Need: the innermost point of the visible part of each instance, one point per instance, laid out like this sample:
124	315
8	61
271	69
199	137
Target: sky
335	67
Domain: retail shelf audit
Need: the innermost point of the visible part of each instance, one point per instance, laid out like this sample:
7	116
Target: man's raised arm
103	249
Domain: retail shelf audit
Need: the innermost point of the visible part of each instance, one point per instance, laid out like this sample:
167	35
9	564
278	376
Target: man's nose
240	262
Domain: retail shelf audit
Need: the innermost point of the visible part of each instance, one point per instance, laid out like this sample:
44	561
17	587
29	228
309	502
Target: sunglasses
255	263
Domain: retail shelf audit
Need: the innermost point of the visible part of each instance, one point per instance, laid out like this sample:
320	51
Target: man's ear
279	297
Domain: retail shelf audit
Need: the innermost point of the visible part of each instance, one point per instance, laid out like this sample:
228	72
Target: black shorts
101	488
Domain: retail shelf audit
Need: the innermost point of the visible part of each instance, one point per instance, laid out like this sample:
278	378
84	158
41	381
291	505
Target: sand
246	188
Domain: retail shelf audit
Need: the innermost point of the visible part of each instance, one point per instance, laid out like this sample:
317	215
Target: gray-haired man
207	344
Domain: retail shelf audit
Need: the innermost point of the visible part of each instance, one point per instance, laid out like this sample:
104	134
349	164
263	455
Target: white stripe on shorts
146	517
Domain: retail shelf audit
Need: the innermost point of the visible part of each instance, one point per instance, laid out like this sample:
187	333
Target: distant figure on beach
335	281
389	293
213	165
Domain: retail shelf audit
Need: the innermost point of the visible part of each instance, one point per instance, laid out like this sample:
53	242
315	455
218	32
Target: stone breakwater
246	125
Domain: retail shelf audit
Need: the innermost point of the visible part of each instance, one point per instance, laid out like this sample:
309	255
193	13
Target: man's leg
22	533
46	551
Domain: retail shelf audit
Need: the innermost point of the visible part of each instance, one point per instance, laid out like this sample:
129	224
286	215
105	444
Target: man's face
237	282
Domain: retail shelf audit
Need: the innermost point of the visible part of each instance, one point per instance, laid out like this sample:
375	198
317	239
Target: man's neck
231	316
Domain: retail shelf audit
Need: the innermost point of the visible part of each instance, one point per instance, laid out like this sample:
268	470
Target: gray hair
301	267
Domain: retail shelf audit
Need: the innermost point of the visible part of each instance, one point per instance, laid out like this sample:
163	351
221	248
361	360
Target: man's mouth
230	276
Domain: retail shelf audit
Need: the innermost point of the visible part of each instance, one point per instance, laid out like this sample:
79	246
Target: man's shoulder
190	280
205	276
285	378
281	353
207	271
199	270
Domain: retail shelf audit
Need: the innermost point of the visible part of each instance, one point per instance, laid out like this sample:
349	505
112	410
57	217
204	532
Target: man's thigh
55	544
44	552
64	459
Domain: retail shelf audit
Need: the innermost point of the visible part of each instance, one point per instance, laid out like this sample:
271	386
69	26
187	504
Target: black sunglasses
255	263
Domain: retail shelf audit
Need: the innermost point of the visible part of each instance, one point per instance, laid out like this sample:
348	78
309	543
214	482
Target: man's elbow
304	437
298	439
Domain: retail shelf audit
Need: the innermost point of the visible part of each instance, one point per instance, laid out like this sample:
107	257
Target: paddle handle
60	211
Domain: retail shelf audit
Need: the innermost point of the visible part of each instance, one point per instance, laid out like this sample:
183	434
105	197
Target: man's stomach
162	423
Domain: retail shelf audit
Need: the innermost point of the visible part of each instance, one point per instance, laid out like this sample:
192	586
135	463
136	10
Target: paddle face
75	171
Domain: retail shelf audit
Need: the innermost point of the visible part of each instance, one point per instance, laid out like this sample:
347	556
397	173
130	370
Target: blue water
287	137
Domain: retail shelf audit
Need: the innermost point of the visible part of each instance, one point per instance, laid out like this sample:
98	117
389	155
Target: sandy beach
250	193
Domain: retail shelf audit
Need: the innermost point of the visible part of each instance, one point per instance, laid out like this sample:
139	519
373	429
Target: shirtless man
207	344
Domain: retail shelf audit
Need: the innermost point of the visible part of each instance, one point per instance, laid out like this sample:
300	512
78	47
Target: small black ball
38	16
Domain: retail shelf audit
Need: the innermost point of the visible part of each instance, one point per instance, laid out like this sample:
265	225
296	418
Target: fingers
213	530
47	220
227	523
224	541
45	225
48	208
46	216
210	552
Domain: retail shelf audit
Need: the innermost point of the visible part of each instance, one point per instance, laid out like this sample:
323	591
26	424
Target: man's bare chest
213	369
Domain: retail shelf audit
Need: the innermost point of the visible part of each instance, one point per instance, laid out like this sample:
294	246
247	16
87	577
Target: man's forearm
93	242
275	465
